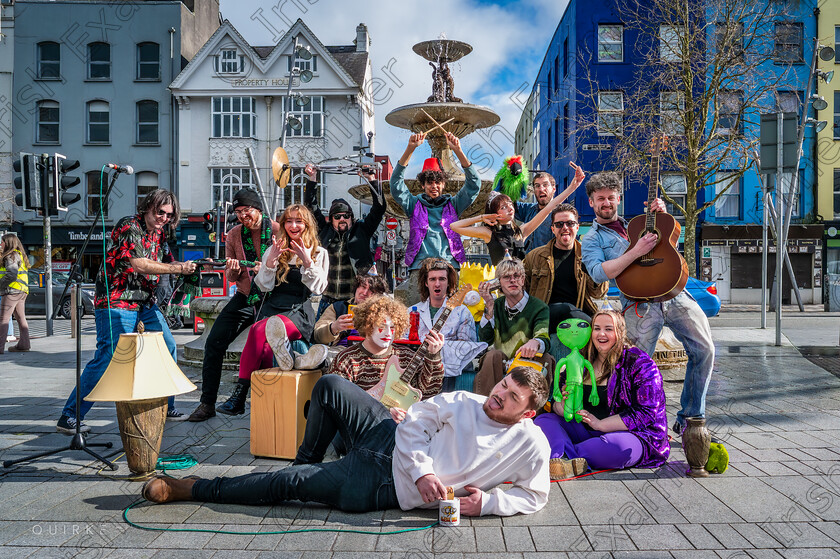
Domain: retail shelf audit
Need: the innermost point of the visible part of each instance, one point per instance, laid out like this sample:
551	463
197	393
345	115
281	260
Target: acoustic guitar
662	273
394	388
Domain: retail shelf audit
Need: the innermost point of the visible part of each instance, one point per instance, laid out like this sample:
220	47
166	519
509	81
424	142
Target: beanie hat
340	205
247	197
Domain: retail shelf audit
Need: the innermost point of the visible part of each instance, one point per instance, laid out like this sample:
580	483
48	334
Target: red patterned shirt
128	289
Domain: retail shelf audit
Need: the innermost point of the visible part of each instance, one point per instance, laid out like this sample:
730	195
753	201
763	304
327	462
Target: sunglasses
570	224
161	213
341	215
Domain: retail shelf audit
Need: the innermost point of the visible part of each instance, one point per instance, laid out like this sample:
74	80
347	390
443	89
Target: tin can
450	512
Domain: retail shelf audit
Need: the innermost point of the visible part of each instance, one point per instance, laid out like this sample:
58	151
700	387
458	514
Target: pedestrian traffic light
59	198
208	221
29	182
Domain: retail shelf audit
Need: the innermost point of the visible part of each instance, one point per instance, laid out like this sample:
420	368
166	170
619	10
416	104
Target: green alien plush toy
718	459
574	331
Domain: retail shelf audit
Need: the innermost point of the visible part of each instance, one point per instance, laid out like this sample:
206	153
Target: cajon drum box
279	406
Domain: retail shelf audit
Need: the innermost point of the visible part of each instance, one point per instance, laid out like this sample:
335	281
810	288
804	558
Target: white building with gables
231	96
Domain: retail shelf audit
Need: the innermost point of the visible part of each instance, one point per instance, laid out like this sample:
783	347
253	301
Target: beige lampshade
141	368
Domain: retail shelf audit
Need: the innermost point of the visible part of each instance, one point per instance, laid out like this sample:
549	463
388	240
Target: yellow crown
474	274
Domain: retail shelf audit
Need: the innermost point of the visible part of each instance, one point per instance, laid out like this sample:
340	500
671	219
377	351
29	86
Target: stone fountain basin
468	118
362	193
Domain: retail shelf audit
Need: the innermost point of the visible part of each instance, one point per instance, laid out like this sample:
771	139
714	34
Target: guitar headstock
658	144
457	298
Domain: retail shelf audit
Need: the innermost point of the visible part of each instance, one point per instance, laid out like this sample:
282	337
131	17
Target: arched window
146	182
148	61
99	61
95	191
48	120
98	122
147	122
49	61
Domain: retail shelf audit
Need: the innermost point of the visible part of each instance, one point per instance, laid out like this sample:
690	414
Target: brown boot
162	489
562	468
202	413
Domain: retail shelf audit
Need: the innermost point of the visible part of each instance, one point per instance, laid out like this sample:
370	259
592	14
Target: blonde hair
375	310
309	238
11	243
614	354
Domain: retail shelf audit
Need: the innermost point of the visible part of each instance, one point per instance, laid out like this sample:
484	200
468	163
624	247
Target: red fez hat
432	164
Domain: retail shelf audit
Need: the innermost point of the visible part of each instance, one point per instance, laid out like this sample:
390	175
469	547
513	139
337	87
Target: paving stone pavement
778	414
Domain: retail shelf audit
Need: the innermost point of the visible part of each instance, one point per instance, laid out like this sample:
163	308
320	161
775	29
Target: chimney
362	38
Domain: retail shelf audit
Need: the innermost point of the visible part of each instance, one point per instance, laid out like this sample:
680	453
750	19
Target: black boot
235	405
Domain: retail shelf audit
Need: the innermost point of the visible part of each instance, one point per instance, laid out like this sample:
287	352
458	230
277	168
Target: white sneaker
275	333
312	359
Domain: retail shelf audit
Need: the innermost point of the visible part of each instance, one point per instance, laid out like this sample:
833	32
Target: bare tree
704	71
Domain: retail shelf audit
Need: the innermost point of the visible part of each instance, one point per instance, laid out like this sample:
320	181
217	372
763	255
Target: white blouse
314	277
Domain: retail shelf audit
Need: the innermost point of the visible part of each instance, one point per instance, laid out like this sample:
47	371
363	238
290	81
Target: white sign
597	147
391	236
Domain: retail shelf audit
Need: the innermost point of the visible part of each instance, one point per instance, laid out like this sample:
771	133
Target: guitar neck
653	188
417	361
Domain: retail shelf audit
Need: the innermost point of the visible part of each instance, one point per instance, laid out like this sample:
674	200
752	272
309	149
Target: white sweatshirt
449	435
314	277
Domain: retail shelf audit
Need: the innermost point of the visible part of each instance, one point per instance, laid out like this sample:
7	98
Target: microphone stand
78	441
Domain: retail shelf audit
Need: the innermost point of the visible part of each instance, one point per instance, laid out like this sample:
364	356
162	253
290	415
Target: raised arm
529	227
465	227
377	211
310	196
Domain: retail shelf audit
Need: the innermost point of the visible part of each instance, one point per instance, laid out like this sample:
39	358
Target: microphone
128	169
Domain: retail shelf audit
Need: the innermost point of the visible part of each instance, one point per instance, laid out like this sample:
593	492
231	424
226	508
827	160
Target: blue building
584	94
90	82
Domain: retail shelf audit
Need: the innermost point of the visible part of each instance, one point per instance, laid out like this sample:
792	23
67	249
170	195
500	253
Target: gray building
90	82
7	56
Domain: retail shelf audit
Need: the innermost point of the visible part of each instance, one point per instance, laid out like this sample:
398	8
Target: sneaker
312	359
67	426
275	333
176	415
202	413
562	468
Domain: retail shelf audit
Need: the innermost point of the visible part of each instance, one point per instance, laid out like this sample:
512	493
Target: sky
509	39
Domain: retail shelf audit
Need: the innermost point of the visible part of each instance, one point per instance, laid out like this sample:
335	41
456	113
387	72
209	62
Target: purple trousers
603	451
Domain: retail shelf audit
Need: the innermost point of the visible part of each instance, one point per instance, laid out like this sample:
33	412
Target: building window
310	115
671	109
147	122
565	57
610	43
95	190
837	115
837	44
565	126
99	61
229	62
788	101
730	109
788	42
550	138
146	182
729	38
548	92
98	122
225	183
675	186
669	43
49	61
301	64
610	113
836	193
148	61
293	194
234	117
47	131
729	203
786	186
558	131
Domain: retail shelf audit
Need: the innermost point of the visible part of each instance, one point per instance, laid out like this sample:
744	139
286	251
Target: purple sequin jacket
635	393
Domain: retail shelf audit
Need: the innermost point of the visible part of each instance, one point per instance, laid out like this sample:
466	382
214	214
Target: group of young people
407	457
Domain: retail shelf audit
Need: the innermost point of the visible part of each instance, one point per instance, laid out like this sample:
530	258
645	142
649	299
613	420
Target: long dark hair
157	198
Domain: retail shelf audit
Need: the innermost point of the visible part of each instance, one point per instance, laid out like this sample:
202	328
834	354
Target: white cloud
504	40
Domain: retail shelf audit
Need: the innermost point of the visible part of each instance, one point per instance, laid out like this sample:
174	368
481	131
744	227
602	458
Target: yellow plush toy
474	274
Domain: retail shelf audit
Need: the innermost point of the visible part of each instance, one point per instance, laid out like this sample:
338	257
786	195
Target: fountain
441	106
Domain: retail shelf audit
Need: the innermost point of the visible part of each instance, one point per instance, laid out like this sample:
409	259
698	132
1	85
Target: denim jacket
599	245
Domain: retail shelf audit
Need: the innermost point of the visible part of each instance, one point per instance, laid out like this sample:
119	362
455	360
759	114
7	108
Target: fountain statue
442	112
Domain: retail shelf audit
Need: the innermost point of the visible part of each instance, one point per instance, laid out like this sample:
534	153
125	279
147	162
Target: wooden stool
279	406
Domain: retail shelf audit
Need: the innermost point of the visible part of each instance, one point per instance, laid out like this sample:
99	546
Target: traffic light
208	221
29	182
59	199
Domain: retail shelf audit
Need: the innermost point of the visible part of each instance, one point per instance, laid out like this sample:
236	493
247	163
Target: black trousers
234	318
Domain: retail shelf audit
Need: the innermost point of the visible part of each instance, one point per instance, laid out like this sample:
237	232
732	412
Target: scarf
254	294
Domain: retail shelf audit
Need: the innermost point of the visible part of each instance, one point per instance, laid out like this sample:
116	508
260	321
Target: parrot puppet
573	332
512	178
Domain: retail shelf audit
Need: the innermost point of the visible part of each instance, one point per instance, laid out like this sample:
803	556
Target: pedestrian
14	287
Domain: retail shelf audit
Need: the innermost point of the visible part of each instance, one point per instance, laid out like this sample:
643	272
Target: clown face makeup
382	334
